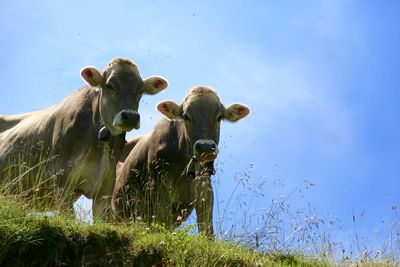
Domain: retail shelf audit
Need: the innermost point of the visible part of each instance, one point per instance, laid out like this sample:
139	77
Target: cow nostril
124	115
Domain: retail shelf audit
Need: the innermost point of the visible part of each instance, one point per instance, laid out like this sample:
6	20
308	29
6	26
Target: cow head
121	87
201	114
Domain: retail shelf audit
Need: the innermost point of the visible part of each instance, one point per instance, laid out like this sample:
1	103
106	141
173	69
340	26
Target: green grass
61	241
27	240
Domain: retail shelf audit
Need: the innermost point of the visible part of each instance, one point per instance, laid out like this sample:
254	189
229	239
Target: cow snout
205	150
127	120
129	116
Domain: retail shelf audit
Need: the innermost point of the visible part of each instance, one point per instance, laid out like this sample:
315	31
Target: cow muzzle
126	120
205	150
202	162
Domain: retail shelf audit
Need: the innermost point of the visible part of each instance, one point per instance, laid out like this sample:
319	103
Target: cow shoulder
74	119
167	149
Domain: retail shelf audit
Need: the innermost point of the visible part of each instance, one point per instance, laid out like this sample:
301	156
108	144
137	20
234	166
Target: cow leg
204	205
102	208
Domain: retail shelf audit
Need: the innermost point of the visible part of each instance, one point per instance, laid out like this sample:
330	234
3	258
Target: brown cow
168	172
79	140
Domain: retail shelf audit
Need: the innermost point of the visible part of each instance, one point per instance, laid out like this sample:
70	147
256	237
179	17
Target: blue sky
321	79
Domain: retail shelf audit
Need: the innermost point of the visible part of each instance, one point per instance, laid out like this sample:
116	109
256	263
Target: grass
276	236
61	241
30	176
302	229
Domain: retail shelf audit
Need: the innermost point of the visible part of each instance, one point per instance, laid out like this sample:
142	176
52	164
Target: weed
276	234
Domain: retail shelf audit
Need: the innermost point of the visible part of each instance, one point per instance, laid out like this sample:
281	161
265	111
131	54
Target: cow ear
92	76
169	109
236	112
154	85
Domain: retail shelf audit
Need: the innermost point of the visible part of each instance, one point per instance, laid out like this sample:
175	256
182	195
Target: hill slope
60	241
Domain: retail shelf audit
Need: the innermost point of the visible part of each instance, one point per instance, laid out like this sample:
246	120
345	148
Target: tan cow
167	173
81	138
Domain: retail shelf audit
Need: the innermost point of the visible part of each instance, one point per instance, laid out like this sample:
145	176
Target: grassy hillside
29	239
60	241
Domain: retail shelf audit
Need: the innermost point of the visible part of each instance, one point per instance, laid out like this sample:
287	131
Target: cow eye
185	117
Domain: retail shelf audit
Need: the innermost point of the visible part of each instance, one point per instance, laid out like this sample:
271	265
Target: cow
166	174
78	141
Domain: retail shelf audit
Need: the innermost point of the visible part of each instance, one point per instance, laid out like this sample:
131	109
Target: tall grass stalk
280	227
276	229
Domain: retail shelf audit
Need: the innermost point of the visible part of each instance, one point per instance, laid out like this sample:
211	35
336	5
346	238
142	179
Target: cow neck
185	147
184	140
